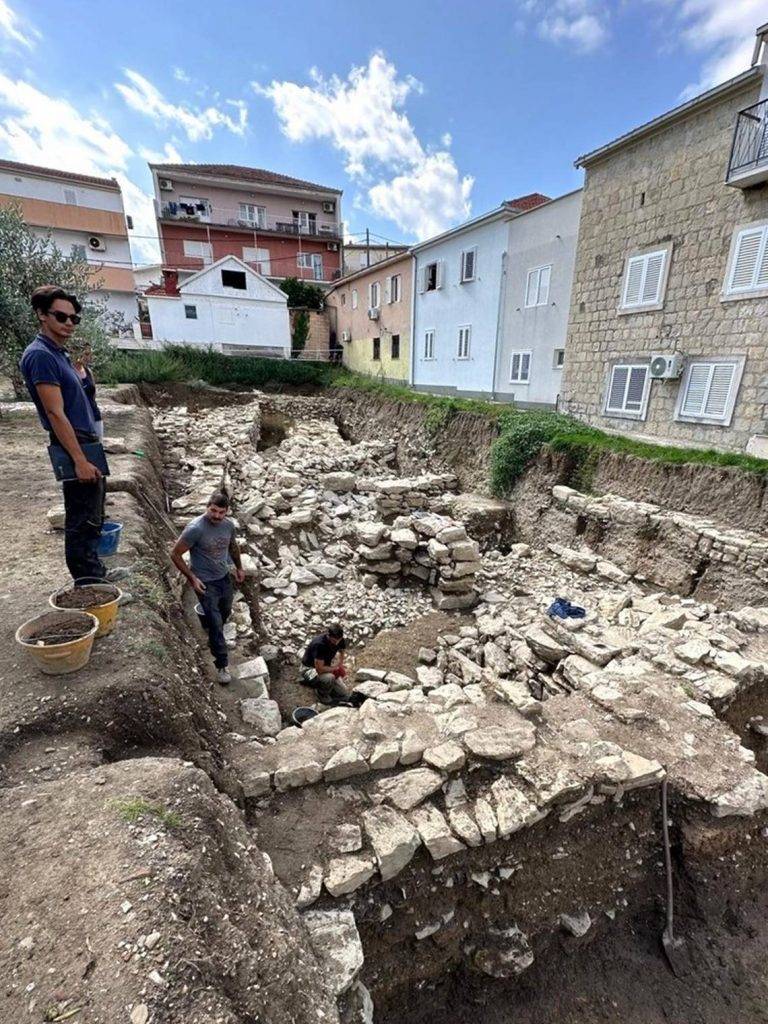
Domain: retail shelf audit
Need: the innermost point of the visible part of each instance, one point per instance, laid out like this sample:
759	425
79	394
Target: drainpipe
499	322
413	321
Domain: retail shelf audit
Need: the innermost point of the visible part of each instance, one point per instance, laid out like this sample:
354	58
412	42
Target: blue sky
424	113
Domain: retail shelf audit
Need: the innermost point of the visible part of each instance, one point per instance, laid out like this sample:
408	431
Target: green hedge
521	433
184	363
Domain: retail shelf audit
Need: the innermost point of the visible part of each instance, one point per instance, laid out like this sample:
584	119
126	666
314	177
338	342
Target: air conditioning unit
332	246
666	367
346	336
96	244
373	313
166	185
329	206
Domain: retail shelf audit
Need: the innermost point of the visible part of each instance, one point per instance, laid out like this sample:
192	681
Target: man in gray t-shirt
210	541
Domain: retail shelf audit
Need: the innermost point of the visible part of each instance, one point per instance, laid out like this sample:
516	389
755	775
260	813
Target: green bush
182	362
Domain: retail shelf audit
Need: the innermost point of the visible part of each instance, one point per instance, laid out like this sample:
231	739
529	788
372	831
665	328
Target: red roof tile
256	174
87	179
528	202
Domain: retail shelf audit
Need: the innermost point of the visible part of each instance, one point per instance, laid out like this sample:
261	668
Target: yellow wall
394	318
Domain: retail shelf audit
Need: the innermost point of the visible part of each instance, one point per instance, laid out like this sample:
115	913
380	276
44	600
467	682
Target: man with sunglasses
66	414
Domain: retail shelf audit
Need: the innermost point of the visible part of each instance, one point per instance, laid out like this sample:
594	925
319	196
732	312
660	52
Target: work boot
225	677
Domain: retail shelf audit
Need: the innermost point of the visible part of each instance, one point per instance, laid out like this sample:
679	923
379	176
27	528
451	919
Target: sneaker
118	573
225	677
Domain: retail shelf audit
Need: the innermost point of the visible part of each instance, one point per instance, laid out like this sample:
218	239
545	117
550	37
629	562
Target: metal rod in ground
675	949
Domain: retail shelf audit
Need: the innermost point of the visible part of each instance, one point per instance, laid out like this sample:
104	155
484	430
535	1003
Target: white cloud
580	24
181	76
198	124
16	30
41	129
167	155
363	117
724	30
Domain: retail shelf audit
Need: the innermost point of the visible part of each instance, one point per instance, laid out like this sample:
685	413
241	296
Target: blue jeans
216	602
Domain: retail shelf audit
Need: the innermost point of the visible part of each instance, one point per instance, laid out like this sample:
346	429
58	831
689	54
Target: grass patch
132	809
521	433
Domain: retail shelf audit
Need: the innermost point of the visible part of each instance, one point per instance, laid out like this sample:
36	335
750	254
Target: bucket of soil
97	597
60	641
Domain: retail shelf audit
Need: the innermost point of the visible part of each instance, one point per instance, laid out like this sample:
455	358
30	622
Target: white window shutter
634	281
720	385
543	296
388	290
745	259
422	280
761	280
654	270
696	389
439	274
531	287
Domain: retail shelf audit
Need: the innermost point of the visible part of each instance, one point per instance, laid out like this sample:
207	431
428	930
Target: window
468	265
234	279
129	221
190	312
394	288
559	358
432	277
708	391
377	348
395	343
429	344
537	286
520	368
256	215
465	334
70	197
628	391
311	261
354	298
645	281
304	222
258	257
198	250
374	289
748	269
343	298
78	251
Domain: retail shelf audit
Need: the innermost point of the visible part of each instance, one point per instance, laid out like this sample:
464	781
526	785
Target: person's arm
53	404
234	554
321	667
181	548
340	653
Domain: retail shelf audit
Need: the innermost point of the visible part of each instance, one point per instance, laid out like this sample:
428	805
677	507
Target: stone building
672	261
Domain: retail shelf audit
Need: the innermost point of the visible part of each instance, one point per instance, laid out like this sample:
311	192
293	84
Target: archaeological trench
481	840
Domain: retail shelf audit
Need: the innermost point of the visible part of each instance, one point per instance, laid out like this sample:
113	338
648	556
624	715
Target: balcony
748	164
221	218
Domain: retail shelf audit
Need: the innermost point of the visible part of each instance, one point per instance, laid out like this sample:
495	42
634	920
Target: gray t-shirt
208	547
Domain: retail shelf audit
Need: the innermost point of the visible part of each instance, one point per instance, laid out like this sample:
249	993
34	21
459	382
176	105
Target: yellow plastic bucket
106	612
56	659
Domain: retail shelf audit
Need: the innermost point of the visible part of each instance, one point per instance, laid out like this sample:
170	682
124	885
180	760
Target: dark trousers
216	602
84	517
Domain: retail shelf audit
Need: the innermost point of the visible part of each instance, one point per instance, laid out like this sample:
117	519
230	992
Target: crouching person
210	541
322	666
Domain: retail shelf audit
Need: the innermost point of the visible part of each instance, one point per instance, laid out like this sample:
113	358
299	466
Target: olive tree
27	260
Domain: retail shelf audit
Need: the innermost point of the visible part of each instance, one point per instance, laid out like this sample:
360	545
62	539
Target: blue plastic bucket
109	541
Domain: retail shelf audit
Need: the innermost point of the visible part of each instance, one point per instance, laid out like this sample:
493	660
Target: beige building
371	318
359	256
667	335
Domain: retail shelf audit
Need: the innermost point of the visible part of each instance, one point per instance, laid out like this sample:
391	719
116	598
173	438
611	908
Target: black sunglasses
63	317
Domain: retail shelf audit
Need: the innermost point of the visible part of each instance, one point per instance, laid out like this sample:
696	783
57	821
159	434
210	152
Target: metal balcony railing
749	151
206	213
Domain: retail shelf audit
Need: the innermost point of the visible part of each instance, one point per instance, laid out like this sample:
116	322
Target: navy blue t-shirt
43	362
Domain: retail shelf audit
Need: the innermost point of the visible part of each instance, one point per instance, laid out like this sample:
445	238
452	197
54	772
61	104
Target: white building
457	305
84	215
541	253
226	306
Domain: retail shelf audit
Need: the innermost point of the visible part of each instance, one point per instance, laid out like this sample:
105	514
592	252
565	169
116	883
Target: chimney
171	282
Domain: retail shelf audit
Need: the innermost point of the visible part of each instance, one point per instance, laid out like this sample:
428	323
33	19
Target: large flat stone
345	874
435	832
500	743
345	764
408	789
336	942
393	838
